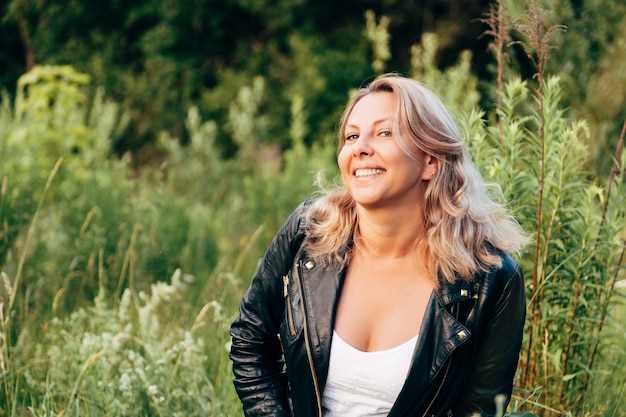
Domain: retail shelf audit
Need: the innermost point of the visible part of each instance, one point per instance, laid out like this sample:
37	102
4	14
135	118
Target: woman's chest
381	306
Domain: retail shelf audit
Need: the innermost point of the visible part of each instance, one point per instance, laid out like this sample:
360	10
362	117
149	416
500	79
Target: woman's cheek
343	160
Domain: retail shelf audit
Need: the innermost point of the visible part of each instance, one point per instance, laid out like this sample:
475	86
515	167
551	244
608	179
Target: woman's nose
363	146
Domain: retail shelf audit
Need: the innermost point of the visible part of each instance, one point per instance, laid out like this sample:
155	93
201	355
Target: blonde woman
393	295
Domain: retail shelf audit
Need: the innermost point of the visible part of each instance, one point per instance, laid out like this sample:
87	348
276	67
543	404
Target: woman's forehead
373	108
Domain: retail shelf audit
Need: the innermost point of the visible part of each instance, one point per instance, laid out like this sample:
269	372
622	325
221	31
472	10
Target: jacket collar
449	293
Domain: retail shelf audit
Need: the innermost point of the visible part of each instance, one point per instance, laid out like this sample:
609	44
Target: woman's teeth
367	172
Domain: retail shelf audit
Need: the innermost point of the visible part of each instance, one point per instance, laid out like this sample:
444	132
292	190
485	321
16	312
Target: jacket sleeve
498	348
258	365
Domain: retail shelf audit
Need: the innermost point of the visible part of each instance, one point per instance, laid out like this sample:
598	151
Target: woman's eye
351	137
385	133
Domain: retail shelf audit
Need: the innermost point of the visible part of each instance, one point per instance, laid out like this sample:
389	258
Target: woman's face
374	170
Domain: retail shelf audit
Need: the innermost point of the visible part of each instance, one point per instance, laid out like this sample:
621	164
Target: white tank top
364	384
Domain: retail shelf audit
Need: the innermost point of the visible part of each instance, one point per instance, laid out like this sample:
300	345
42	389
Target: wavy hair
463	221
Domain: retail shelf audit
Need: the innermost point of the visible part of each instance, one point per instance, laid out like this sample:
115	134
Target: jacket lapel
321	287
440	334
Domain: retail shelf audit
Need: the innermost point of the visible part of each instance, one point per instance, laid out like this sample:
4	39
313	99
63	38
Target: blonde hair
463	223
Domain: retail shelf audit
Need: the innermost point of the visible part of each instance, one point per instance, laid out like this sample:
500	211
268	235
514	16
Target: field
119	284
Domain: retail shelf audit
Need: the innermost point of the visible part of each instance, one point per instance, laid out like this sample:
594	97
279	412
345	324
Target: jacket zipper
445	375
292	329
309	354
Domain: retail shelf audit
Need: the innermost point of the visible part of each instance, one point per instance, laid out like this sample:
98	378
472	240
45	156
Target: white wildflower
125	384
123	313
217	308
90	343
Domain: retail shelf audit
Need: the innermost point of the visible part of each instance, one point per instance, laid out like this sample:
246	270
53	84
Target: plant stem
535	310
128	264
31	231
501	36
615	171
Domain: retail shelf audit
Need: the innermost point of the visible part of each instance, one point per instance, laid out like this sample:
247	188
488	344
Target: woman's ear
431	166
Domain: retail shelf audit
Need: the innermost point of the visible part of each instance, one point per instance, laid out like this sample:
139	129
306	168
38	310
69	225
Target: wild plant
245	199
126	360
41	126
578	227
137	212
379	37
457	86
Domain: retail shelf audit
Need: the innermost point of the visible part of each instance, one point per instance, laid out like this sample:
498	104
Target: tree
159	57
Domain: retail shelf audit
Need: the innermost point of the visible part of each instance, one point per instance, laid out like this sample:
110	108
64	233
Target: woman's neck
389	233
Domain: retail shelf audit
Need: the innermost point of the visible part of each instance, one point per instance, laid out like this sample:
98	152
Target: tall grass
119	286
579	224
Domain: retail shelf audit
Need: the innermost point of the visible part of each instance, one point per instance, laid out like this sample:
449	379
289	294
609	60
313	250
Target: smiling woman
382	295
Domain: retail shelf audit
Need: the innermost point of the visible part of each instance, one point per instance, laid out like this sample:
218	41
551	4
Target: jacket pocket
291	325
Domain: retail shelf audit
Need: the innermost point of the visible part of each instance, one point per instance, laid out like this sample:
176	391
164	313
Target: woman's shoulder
507	276
295	226
298	215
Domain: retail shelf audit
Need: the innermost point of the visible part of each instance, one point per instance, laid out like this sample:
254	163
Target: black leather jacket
467	350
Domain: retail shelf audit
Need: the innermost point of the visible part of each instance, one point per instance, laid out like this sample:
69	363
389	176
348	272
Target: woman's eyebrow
376	122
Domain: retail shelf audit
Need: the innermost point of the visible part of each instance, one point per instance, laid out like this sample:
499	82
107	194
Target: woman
393	295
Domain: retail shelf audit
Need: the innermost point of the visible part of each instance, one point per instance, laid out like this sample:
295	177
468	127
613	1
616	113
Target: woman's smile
359	173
